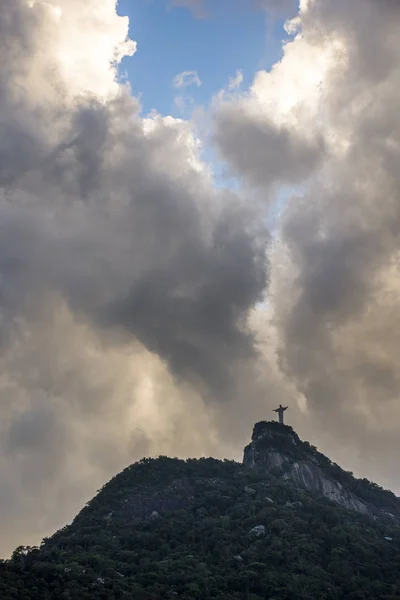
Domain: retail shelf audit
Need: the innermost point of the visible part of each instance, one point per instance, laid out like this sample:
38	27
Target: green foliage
166	528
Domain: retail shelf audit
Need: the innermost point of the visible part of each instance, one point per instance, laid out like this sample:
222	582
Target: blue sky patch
172	41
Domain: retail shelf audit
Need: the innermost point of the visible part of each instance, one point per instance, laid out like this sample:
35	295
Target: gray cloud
334	268
264	153
130	287
127	280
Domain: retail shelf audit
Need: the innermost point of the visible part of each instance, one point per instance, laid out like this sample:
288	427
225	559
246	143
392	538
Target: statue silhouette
280	412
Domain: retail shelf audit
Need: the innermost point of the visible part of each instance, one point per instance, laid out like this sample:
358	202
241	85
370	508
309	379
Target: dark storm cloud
194	315
126	279
262	152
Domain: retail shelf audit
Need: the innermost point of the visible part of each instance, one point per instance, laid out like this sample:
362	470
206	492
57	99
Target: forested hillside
198	529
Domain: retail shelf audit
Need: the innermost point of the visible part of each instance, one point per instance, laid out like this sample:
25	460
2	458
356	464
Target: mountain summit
287	524
276	448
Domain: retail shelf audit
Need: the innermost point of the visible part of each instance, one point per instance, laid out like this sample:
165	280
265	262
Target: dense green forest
201	529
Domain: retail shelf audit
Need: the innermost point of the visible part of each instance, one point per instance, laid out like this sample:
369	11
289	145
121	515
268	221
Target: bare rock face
277	449
311	477
258	531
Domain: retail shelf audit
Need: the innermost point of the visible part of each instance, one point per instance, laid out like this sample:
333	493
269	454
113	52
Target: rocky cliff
278	450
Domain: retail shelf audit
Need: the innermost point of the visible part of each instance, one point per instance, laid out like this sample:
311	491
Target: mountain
286	524
276	448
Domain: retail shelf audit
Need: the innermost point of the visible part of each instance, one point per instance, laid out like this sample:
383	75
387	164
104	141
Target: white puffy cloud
324	120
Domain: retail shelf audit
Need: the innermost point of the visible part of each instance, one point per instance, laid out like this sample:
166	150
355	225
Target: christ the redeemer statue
280	412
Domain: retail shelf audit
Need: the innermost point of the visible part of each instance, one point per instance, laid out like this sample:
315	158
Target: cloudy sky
199	219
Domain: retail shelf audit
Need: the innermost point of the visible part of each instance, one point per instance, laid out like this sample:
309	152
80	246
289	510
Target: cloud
183	101
143	310
264	152
186	78
323	120
236	82
127	281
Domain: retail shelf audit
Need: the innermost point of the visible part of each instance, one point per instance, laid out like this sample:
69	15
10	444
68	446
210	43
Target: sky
213	48
199	220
